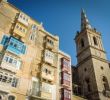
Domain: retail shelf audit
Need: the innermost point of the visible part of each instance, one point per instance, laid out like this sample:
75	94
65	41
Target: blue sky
62	17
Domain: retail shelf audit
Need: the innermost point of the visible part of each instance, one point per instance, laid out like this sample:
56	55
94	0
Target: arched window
33	32
11	98
105	83
88	84
82	43
95	41
32	37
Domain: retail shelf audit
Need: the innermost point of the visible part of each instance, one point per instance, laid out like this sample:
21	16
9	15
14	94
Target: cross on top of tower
84	21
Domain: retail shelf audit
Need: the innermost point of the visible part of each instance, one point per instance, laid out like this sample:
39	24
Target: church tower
93	67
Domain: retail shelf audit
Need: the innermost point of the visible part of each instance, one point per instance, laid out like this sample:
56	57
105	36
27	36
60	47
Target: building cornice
89	49
90	57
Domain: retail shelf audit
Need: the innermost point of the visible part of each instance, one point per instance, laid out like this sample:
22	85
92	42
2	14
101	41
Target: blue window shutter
24	49
4	40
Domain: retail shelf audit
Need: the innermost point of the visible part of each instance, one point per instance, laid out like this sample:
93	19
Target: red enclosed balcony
66	94
65	79
65	65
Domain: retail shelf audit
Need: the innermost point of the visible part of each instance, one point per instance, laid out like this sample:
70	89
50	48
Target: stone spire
84	20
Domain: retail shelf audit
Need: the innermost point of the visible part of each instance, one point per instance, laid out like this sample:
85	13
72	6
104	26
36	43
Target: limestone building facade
93	67
29	58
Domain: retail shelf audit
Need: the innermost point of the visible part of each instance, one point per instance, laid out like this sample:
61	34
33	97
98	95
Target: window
24	30
13	45
88	84
50	42
21	28
82	43
48	71
35	88
11	98
4	78
46	87
0	77
105	83
65	64
21	15
8	79
12	60
66	94
32	36
49	56
23	18
16	46
6	59
101	67
14	82
34	27
66	77
95	41
33	32
17	26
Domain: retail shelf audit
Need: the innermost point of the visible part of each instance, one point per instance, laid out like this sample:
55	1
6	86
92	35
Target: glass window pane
11	98
6	58
10	60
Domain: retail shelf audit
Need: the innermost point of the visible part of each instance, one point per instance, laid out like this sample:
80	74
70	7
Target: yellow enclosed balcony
49	43
20	30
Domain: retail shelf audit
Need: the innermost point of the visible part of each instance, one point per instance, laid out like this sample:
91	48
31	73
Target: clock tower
93	67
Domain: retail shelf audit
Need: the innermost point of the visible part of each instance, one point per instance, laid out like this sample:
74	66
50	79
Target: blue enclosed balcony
13	45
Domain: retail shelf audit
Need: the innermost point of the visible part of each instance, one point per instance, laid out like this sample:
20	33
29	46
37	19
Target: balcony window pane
4	78
9	80
10	60
1	77
6	58
11	98
14	62
35	88
14	82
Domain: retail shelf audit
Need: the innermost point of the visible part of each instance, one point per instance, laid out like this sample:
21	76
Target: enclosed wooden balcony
19	30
